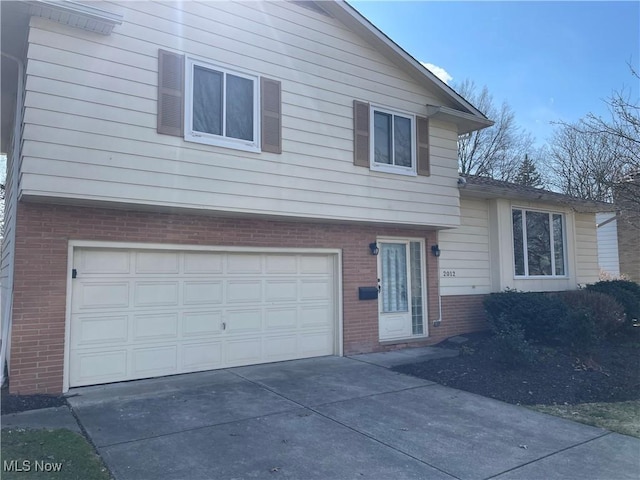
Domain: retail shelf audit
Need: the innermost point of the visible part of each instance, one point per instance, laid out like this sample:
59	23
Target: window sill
393	170
245	147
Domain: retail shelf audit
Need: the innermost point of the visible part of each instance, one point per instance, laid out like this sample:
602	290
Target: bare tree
495	151
584	164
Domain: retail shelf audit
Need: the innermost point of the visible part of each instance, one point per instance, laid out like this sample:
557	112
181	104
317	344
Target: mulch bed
20	403
611	373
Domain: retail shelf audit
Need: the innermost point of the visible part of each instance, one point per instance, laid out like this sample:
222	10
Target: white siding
586	248
608	260
90	117
465	259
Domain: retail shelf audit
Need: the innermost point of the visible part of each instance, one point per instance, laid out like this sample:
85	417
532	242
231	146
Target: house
627	199
198	185
517	237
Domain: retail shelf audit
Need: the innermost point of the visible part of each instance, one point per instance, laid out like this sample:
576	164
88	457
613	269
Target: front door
401	300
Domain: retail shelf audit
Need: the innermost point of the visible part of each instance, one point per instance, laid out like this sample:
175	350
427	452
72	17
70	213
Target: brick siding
43	233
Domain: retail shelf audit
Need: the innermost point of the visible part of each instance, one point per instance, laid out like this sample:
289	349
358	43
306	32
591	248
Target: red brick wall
43	232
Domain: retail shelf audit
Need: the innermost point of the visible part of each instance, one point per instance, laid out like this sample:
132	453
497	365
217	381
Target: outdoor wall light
374	248
435	249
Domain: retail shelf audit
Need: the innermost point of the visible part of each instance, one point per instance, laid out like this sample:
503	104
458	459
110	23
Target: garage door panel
244	321
93	330
315	264
203	263
99	367
155	326
156	294
243	351
281	290
92	262
315	344
314	289
244	291
281	318
201	323
316	316
138	314
244	263
157	262
152	361
281	264
203	293
101	295
280	348
201	356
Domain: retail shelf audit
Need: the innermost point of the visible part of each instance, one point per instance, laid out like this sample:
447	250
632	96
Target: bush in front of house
606	313
578	319
625	292
536	313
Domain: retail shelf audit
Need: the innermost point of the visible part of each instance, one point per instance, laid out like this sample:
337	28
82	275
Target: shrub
535	313
626	293
511	347
606	313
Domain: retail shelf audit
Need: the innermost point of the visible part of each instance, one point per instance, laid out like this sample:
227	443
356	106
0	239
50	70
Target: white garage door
146	313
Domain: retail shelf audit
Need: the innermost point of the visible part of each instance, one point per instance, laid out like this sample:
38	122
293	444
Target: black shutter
271	115
170	93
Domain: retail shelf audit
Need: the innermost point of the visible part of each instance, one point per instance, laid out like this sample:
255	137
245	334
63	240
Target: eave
76	15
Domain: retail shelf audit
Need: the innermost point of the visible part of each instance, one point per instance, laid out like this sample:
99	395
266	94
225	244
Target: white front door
401	301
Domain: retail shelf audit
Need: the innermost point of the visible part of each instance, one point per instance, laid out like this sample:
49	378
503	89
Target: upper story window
392	142
209	103
221	106
538	243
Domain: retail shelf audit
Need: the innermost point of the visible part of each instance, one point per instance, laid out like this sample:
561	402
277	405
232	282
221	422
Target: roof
484	187
467	117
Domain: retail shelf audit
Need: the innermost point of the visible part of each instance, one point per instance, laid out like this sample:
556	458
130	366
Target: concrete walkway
335	418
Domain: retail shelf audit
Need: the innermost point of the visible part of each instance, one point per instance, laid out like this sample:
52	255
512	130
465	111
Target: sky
550	61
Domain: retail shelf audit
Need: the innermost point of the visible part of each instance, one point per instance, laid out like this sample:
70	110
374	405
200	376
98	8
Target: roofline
340	8
75	14
501	189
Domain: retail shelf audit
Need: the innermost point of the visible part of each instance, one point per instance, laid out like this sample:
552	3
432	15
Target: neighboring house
194	186
627	198
608	259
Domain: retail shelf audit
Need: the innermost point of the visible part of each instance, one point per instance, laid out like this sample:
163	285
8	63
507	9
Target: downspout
15	159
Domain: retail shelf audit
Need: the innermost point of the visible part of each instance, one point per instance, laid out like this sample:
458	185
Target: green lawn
49	454
621	417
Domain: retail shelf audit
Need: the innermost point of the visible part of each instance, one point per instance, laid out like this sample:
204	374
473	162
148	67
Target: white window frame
384	167
192	135
525	247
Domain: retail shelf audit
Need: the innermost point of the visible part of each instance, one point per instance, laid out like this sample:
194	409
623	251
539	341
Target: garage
139	313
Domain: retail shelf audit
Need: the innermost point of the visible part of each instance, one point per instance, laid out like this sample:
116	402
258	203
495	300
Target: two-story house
198	185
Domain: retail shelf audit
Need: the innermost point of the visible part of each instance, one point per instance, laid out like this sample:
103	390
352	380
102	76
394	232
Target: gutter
7	313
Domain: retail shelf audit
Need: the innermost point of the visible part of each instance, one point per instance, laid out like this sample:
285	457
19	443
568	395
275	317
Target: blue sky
549	60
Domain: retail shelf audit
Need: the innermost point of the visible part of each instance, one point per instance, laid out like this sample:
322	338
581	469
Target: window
392	142
221	106
538	243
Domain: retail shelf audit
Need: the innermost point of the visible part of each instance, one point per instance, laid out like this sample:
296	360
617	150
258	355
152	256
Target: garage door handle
224	326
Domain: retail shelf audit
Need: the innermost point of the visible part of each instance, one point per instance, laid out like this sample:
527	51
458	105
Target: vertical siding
608	261
464	260
90	119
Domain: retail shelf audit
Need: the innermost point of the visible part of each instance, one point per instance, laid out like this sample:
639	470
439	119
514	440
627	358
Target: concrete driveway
335	418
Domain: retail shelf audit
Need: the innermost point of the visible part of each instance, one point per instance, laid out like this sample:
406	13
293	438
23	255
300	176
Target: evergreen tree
528	174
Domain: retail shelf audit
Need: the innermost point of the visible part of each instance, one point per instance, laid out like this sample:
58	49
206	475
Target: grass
621	417
49	454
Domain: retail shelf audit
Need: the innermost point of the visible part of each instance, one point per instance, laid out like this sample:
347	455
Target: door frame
335	253
423	278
